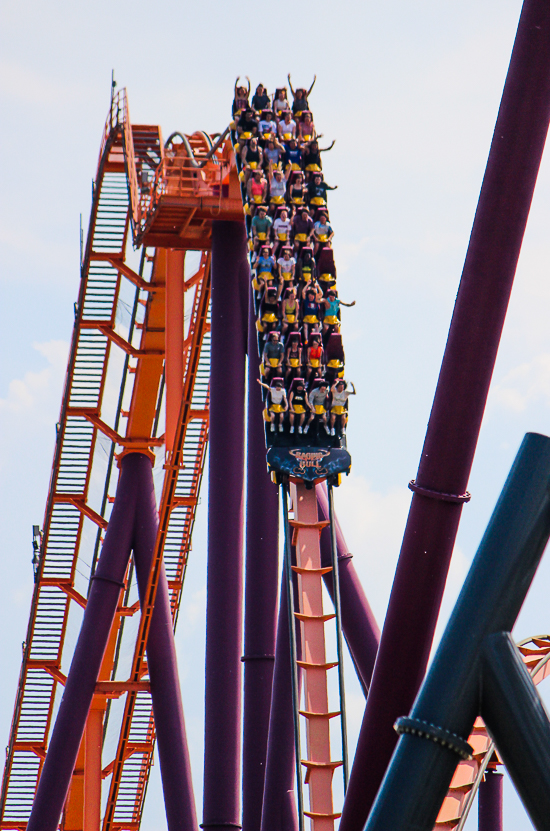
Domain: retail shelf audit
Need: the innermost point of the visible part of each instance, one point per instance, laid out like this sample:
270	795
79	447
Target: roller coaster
192	261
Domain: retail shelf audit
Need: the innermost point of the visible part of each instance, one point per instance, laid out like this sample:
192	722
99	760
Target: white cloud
373	525
525	384
29	393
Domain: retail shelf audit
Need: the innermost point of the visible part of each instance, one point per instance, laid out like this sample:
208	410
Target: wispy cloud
35	388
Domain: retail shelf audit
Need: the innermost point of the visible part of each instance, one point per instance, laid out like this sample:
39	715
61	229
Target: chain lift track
107	354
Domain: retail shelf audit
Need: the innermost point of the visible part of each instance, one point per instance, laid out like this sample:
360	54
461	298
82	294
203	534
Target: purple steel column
490	802
222	747
260	609
279	806
175	766
358	623
457	411
92	640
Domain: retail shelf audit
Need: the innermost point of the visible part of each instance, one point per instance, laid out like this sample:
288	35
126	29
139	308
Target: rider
317	405
322	230
256	189
302	227
261	227
315	354
260	99
317	190
277	402
306	127
282	227
247	125
280	102
277	188
340	394
332	305
252	157
298	404
311	308
240	100
273	355
287	265
300	96
287	127
292	159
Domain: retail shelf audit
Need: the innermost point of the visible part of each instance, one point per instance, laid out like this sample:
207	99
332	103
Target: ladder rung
300	570
320	765
312	815
308	665
324	618
308	714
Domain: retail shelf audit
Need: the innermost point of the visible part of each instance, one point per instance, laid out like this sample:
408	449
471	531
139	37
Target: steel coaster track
67	503
125	149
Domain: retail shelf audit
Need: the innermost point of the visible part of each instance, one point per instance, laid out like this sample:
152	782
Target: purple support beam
92	641
175	765
222	747
358	623
490	802
261	576
458	407
279	806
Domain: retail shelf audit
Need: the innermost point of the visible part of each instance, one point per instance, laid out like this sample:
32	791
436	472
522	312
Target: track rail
68	505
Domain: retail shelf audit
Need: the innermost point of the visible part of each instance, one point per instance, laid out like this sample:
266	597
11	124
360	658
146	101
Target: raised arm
236	83
312	85
261	383
326	149
248	79
347	304
290	85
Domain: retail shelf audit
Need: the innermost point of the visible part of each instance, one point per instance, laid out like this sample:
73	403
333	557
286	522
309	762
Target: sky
410	92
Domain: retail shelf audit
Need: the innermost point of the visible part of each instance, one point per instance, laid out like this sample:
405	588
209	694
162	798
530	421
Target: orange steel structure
456	805
319	765
125	319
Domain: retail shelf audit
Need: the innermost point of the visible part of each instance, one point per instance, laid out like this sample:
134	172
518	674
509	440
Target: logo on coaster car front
309	463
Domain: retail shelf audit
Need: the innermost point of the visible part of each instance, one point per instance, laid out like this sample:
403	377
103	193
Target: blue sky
410	92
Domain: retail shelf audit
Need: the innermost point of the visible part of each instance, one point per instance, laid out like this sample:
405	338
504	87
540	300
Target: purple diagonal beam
222	743
458	407
260	611
175	765
358	622
92	641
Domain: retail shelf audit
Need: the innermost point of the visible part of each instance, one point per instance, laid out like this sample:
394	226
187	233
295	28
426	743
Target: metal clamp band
109	580
444	497
257	658
425	730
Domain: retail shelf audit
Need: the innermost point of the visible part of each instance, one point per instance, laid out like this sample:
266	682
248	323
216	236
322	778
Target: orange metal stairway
319	765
